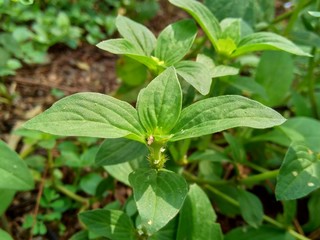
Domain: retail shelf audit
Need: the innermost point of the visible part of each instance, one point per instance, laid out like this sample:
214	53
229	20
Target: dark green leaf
203	16
251	208
90	115
112	224
267	41
131	72
175	41
313	209
219	113
119	150
5	200
197	217
159	104
159	196
137	34
14	172
299	173
196	74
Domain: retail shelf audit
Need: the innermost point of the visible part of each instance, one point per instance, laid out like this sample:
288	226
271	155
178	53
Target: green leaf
267	41
299	173
159	104
131	72
197	217
175	41
196	74
137	34
5	200
122	171
89	115
251	208
14	172
124	47
169	232
203	16
112	224
313	209
220	113
159	196
272	67
263	233
4	235
119	150
26	2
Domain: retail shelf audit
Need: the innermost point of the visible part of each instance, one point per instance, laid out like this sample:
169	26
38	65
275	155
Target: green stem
72	195
265	217
294	16
200	181
259	177
255	167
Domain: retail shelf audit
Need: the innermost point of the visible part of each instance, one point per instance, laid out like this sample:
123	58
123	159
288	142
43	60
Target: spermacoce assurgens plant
146	131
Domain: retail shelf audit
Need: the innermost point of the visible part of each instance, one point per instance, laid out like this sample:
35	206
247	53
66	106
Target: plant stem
195	179
259	177
294	16
72	195
265	217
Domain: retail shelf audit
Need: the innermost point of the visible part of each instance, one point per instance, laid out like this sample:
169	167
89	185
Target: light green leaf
159	196
267	41
263	233
4	235
131	72
89	115
137	34
220	113
203	16
251	208
14	172
314	13
175	41
119	150
231	28
112	224
197	217
299	173
159	104
122	171
272	67
196	74
124	47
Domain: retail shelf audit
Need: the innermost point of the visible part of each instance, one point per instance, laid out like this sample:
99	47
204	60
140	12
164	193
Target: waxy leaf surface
90	115
299	173
159	196
175	41
14	172
112	224
220	113
160	103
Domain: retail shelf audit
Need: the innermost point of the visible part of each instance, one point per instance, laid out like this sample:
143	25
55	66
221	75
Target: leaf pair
226	37
172	45
159	114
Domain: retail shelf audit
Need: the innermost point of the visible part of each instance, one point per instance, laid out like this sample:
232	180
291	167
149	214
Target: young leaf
197	217
267	41
4	235
203	16
89	115
159	104
124	47
220	113
14	172
314	14
119	150
159	196
196	74
137	34
299	173
112	224
251	208
175	41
